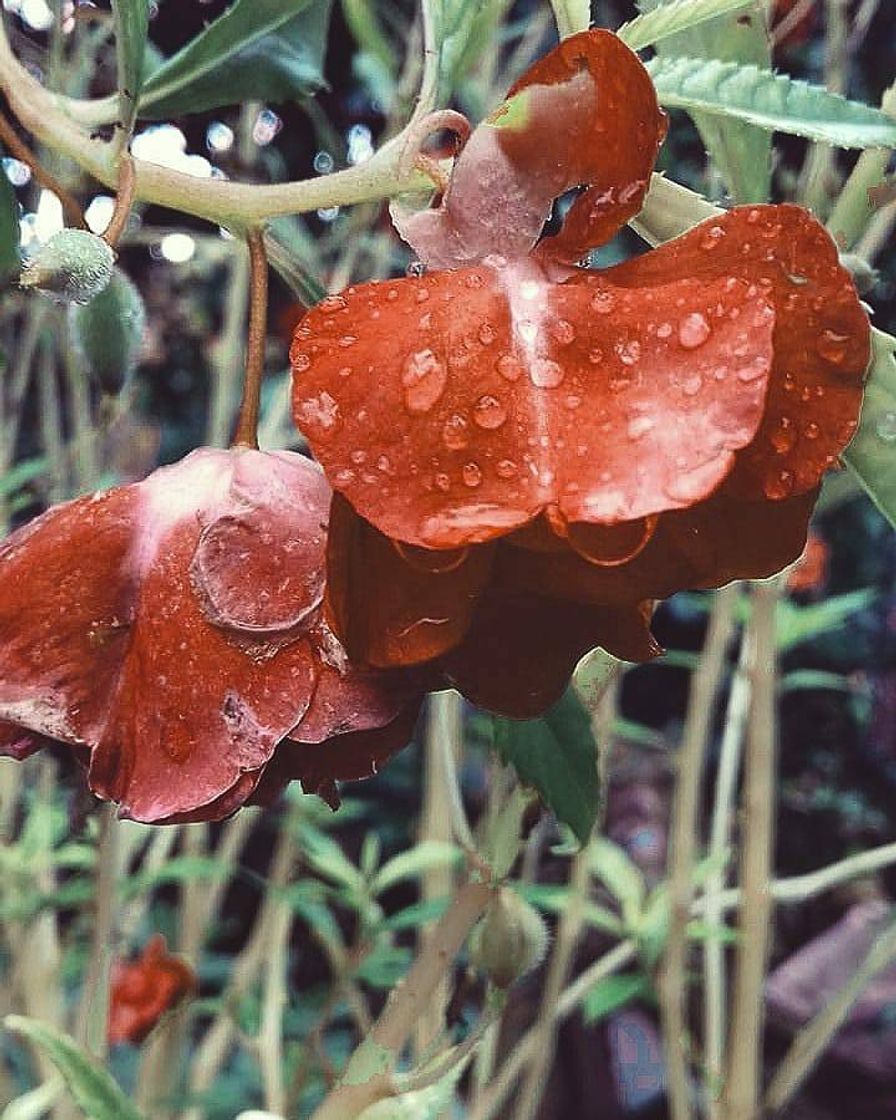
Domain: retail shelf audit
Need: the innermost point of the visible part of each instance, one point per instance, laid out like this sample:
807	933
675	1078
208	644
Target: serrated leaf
740	151
131	25
93	1087
416	861
655	26
268	50
556	755
872	453
770	101
613	992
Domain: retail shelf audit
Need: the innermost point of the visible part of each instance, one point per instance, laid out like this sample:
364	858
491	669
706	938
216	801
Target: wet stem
246	434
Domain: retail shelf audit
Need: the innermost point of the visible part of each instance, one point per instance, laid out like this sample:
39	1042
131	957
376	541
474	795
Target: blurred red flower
515	428
809	574
171	631
142	991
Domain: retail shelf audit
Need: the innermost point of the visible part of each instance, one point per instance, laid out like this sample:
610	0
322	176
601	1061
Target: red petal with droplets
521	649
507	395
821	335
584	115
387	611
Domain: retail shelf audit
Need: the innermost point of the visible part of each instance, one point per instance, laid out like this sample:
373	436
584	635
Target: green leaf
612	993
557	755
131	25
680	15
872	453
555	899
797	624
267	50
621	877
10	234
92	1086
416	861
417	915
741	152
328	859
21	474
769	101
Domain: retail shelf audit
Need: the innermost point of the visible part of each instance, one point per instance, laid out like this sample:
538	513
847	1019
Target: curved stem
18	148
124	200
247	424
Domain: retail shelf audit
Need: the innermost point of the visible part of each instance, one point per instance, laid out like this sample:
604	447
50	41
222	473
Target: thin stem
714	985
18	148
741	1095
124	200
247	424
683	838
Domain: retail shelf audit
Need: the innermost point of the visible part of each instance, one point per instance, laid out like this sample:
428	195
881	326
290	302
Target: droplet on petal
603	302
693	330
608	546
424	377
784	436
640	426
489	413
487	334
472	475
629	351
456	432
563	332
506	468
546	373
832	346
779	485
509	367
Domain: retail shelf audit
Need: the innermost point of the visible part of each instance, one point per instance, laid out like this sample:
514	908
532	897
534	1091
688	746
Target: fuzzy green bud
107	333
74	266
511	939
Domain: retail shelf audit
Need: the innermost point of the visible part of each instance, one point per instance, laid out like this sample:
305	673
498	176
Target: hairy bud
74	266
107	333
511	939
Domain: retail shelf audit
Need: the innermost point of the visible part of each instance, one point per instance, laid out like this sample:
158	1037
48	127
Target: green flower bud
107	333
74	266
511	939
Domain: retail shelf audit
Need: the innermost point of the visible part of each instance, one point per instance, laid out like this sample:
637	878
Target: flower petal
520	652
821	335
452	409
584	115
386	611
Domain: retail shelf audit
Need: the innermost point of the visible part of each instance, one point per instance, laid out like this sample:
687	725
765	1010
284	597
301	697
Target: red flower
171	631
524	427
144	989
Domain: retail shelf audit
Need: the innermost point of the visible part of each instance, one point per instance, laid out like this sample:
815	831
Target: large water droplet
455	432
603	302
487	334
753	370
320	414
471	474
506	468
712	237
607	546
693	330
489	413
563	332
442	482
301	361
546	373
628	351
783	437
832	346
664	330
423	377
778	485
509	367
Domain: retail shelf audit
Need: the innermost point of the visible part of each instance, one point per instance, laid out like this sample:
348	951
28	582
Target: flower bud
511	939
107	333
74	266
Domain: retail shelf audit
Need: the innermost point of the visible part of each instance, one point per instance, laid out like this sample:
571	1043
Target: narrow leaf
416	861
872	453
92	1086
270	50
613	992
770	101
681	15
131	24
557	755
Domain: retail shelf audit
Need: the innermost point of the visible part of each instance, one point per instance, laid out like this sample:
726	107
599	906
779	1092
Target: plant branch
17	147
247	424
124	200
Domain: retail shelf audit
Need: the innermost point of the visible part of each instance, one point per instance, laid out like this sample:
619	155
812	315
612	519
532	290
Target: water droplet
320	413
415	269
509	367
811	430
345	371
471	474
423	377
506	468
693	330
603	302
487	334
572	402
753	217
331	304
422	295
473	280
664	330
344	478
692	385
348	340
383	464
546	374
442	482
753	370
779	485
358	457
720	373
832	346
886	427
489	413
712	237
784	436
595	356
456	432
640	426
563	332
301	361
392	295
628	351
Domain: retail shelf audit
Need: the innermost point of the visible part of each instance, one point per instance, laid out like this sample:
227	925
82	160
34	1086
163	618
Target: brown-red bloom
142	990
172	632
519	428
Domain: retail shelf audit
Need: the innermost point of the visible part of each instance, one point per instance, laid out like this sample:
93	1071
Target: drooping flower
172	633
515	425
142	990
